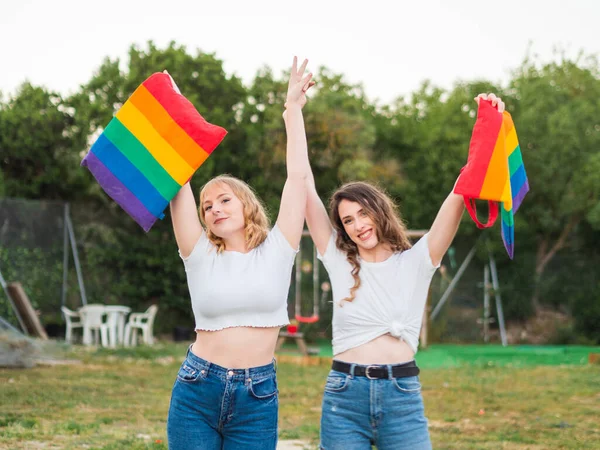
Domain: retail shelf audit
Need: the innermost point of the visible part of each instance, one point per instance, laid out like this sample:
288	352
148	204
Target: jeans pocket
407	385
189	374
263	388
336	382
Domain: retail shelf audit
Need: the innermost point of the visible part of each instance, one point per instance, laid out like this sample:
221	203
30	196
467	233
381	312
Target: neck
379	253
236	243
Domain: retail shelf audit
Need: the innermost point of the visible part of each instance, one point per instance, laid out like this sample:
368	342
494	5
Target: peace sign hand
298	85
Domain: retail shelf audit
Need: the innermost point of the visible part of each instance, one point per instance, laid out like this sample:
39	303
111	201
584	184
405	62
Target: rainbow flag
152	147
518	184
494	170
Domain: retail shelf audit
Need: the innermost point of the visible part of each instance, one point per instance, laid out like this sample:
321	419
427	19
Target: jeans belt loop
352	366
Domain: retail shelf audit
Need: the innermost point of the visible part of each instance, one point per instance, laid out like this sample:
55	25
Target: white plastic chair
72	320
143	321
92	317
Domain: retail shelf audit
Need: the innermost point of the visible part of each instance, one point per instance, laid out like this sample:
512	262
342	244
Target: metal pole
76	260
453	283
63	301
498	300
8	326
486	303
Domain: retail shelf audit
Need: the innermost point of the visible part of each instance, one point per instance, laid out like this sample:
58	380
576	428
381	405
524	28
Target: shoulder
276	241
202	247
418	254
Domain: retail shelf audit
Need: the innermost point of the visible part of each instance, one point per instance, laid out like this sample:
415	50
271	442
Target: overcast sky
389	46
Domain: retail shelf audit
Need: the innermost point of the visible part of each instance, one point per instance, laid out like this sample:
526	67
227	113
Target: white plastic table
116	316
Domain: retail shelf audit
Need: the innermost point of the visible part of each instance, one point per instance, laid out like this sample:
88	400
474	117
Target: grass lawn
476	397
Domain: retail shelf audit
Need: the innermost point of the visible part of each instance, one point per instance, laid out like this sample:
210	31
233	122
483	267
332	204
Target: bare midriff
237	347
385	349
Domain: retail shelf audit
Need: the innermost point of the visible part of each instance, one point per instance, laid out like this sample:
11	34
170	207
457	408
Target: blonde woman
238	272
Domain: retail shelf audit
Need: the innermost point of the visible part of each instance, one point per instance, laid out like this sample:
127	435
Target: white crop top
233	289
391	298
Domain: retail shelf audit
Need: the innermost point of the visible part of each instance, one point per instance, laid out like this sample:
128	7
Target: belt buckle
367	372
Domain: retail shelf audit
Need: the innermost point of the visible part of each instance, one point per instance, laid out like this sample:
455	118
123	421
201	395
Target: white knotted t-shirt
391	298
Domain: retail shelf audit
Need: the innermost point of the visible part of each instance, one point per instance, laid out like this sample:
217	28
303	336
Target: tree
557	111
260	160
37	146
342	130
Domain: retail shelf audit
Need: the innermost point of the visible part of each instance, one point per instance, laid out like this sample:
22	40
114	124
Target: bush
586	312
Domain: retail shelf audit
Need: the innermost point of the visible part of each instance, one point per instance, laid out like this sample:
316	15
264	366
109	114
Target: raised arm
186	222
293	199
184	213
316	216
444	227
446	223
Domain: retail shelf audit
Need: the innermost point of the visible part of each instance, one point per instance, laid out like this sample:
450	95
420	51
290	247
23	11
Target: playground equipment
315	273
293	331
493	288
37	227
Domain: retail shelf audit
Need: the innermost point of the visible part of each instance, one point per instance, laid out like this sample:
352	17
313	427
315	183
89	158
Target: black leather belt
378	371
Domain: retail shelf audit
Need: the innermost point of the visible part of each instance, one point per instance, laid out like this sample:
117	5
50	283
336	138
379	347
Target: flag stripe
508	232
188	149
520	195
515	160
118	192
129	176
205	134
518	180
483	142
512	141
495	183
141	158
160	149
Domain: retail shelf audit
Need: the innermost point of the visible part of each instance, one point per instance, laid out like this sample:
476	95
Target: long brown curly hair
256	222
381	210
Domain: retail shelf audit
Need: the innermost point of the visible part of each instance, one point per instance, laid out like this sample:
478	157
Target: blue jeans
217	408
359	412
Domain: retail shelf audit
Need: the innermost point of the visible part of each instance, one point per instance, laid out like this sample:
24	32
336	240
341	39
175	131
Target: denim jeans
359	412
217	408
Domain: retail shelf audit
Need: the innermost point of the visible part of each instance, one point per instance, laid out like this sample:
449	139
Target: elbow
298	176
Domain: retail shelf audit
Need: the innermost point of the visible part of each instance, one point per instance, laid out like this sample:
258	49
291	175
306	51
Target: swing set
298	300
293	330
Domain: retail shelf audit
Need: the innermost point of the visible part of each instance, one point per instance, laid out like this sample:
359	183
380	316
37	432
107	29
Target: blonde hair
381	209
256	222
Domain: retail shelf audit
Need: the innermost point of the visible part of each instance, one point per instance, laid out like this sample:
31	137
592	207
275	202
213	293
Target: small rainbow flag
494	170
152	147
518	184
